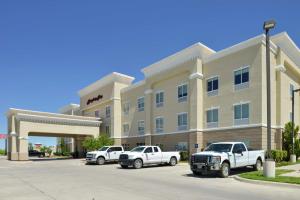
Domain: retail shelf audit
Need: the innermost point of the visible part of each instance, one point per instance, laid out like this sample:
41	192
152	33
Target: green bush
279	155
184	155
2	151
91	144
297	148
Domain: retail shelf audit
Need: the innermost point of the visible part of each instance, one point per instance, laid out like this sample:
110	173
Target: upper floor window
107	111
141	104
212	118
159	124
291	90
182	121
159	99
241	78
182	91
212	86
126	108
125	128
107	129
141	127
241	114
97	113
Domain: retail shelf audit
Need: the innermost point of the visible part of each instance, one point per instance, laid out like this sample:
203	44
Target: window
141	127
107	129
238	147
212	86
291	90
241	78
116	149
155	149
126	147
212	118
159	99
141	104
159	125
148	150
241	114
97	113
107	111
182	93
126	108
182	121
125	128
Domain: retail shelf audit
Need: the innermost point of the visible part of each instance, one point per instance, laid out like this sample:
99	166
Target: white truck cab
104	154
223	156
147	155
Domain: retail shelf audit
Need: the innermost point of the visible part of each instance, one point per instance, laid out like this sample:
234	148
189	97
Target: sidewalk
295	173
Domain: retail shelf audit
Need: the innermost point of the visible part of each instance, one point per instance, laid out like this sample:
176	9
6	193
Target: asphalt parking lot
72	179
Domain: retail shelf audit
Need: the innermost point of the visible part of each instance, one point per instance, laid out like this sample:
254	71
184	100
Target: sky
49	50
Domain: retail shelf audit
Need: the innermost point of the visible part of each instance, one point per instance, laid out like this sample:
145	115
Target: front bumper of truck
127	162
205	167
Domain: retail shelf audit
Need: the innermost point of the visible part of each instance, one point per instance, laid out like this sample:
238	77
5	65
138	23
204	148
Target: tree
91	144
287	137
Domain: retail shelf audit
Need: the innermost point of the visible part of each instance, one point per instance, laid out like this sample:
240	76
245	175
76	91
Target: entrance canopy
24	123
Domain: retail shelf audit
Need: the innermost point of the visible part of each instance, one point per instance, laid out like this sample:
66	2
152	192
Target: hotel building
185	101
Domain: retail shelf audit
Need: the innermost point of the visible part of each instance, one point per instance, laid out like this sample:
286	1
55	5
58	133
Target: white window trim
124	132
182	84
187	121
241	86
212	124
162	103
137	102
139	121
213	92
244	121
109	111
126	102
159	117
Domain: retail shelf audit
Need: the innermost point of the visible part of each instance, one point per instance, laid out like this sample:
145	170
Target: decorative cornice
196	75
280	68
57	120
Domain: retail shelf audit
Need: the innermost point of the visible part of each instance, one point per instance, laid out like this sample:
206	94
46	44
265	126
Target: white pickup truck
223	156
147	155
104	154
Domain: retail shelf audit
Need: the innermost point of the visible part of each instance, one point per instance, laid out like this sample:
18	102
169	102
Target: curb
258	182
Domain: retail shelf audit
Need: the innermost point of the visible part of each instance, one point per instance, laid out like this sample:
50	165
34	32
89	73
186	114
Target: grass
285	163
2	151
258	175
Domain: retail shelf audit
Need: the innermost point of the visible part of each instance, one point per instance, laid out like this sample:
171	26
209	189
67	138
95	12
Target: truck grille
89	155
123	157
200	159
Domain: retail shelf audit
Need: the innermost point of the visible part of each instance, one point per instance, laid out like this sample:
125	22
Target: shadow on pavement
49	159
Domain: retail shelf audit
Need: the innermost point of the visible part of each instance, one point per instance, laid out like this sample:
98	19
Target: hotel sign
97	98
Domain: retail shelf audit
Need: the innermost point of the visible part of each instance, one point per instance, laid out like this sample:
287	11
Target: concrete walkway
295	173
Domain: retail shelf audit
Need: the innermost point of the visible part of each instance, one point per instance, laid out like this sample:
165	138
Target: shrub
2	151
91	144
279	155
184	155
287	137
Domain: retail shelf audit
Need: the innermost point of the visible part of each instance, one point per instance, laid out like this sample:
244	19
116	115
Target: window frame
212	124
141	109
182	98
213	92
159	129
126	104
242	120
182	127
125	132
159	103
141	132
241	85
107	114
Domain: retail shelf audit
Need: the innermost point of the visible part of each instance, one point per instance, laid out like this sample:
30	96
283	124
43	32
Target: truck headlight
94	155
215	159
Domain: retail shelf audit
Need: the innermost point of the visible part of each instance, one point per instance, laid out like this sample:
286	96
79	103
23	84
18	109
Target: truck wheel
138	163
258	165
197	173
225	170
100	161
124	166
173	161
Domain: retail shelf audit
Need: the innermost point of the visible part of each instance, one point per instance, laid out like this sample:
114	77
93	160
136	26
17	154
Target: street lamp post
269	165
293	156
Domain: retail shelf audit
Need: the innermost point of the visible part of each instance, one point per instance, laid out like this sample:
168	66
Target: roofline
110	78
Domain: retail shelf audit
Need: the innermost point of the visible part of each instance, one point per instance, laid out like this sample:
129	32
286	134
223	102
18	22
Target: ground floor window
126	147
181	146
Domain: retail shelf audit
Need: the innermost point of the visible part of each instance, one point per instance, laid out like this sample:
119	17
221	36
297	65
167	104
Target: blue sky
51	49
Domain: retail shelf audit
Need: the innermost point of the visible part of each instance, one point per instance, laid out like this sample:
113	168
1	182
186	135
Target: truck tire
100	161
258	165
225	170
138	163
124	166
173	161
197	173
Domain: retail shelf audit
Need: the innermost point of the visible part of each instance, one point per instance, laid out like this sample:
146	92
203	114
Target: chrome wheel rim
100	161
138	164
225	171
173	161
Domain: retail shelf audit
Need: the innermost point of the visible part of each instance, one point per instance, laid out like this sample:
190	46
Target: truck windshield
103	148
219	147
138	149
